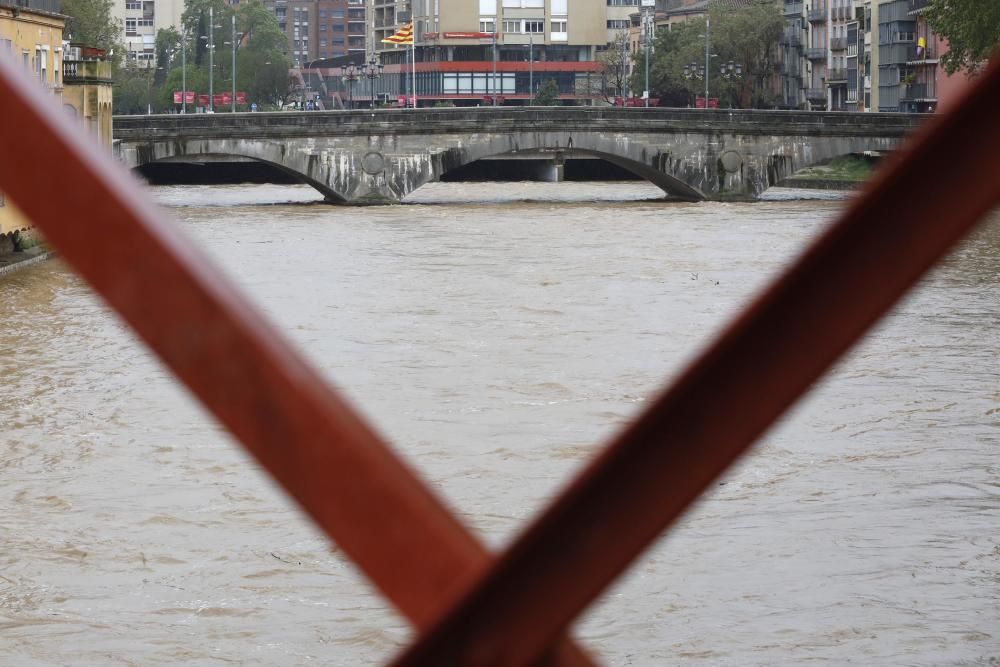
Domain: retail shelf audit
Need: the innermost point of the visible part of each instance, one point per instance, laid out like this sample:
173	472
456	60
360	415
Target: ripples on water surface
495	333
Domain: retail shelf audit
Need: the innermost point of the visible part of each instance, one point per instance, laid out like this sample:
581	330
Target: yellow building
87	90
31	36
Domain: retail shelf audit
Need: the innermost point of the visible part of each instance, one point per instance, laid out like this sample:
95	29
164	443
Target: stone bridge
370	157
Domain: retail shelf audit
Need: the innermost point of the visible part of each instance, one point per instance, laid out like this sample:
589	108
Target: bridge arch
304	168
646	162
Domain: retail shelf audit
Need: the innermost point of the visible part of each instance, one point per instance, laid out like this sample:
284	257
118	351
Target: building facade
473	52
31	34
140	20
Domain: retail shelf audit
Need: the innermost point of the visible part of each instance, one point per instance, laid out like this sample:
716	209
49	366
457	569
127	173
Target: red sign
401	100
468	35
713	102
241	97
177	97
190	97
218	100
430	35
203	100
699	103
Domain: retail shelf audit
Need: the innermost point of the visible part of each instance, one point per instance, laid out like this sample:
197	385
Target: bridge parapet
382	155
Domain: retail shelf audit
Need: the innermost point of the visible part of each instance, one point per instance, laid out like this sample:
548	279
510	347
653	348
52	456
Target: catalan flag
402	36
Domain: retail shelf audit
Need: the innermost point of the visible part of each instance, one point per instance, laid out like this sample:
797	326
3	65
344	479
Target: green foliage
90	22
547	94
132	93
261	64
748	36
972	28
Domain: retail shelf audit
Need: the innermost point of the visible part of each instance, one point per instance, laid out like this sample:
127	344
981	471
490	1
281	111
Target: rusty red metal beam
916	208
345	477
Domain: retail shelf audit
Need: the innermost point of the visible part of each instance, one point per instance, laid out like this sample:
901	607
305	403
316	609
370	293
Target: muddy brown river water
495	333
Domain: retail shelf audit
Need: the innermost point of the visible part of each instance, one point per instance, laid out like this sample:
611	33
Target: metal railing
467	605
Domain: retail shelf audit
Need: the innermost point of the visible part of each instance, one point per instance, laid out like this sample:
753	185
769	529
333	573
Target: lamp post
349	75
731	70
184	69
211	53
494	64
531	68
647	38
694	71
708	27
234	64
373	70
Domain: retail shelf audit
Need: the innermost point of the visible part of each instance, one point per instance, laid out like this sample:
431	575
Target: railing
837	75
816	94
838	43
916	91
817	15
816	53
467	605
793	8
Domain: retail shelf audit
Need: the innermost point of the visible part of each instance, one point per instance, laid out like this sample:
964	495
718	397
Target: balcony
917	6
816	53
816	94
817	15
81	72
792	37
916	92
838	43
837	76
793	8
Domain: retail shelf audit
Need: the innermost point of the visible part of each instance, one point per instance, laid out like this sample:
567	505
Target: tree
547	94
614	63
972	28
90	23
748	36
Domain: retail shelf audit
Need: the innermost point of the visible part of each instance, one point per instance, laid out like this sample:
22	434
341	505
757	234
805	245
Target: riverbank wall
20	249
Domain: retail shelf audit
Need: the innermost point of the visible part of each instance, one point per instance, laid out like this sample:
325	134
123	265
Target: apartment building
31	34
320	29
141	19
458	41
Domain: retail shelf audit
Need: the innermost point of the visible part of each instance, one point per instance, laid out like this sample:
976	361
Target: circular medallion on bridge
731	161
373	163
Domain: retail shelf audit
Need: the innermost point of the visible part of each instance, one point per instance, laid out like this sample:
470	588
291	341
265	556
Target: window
534	26
559	25
615	24
130	27
512	26
133	5
487	25
322	27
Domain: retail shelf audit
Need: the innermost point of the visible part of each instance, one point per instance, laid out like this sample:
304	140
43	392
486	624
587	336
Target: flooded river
496	333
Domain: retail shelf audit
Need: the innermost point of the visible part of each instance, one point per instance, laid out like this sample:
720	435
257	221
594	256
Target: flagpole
413	59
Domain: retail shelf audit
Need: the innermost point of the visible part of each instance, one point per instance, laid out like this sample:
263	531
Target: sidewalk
18	260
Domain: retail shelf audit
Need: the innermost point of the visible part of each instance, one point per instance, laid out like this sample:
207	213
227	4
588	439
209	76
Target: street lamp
647	26
373	70
694	71
494	64
731	70
234	42
348	74
211	57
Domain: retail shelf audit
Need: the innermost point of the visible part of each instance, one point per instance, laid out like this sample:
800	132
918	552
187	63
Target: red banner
203	100
468	35
241	97
217	100
177	97
190	97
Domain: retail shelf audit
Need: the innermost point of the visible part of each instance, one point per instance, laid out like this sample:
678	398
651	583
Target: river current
496	333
